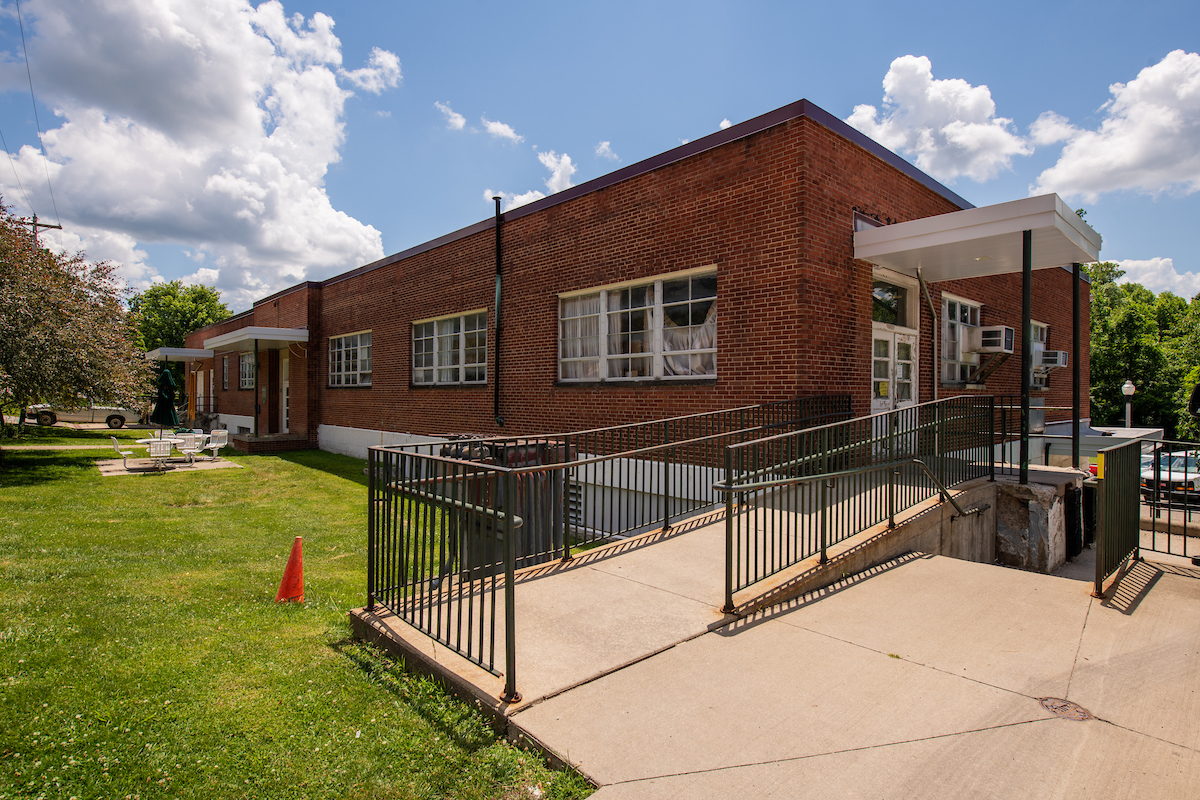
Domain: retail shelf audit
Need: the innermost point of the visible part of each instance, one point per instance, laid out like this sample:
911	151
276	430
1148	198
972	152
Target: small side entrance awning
981	241
178	354
267	338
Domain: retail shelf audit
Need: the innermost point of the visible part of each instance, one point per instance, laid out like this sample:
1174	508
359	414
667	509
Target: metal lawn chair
124	454
159	451
189	445
217	438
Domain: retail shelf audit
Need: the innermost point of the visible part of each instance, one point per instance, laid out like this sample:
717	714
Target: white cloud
501	131
509	201
454	120
1049	128
1159	275
604	150
1149	140
382	72
561	170
725	123
206	125
949	125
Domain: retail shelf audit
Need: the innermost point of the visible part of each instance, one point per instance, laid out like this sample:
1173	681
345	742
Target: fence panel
791	495
1118	509
1170	487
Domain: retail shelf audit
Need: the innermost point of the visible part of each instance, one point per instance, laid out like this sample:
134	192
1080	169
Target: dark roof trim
289	290
800	108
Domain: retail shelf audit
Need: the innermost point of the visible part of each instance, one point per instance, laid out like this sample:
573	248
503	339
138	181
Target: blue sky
241	147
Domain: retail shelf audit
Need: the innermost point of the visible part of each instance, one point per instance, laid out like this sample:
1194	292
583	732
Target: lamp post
1128	389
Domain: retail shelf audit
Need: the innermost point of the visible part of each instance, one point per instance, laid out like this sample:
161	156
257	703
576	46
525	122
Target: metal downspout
937	354
496	377
1075	366
1026	346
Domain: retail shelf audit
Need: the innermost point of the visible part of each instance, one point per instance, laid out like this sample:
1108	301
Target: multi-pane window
664	328
350	359
225	372
451	349
246	371
957	364
1039	377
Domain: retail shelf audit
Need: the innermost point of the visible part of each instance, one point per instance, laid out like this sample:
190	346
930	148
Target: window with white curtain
450	349
246	370
660	328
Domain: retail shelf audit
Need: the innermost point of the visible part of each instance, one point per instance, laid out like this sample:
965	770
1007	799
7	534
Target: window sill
356	386
422	386
638	382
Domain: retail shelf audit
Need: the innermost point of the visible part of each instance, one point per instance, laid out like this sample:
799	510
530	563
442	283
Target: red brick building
717	274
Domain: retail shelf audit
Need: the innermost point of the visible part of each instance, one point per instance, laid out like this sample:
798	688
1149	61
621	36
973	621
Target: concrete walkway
920	678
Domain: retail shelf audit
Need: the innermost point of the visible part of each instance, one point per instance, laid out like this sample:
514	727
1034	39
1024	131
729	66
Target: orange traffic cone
292	585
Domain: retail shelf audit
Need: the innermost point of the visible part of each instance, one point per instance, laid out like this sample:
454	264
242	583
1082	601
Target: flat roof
982	241
178	354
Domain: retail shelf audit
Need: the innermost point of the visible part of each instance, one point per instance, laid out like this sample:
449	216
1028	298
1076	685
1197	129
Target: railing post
728	607
372	510
992	438
666	481
826	485
1101	554
893	421
511	695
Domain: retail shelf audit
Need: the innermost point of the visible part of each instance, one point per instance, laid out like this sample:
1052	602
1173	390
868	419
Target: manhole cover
1065	709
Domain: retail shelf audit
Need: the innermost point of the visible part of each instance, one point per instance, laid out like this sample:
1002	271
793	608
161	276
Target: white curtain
677	338
579	335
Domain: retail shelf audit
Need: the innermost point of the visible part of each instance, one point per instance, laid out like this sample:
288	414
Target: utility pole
34	225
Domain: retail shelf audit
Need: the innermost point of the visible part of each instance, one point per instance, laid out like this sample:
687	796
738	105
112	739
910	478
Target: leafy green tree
168	312
64	328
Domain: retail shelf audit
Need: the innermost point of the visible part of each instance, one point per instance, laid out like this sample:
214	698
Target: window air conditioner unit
1052	359
991	339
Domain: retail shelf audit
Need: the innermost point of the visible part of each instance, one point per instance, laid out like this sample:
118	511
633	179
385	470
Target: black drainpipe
496	376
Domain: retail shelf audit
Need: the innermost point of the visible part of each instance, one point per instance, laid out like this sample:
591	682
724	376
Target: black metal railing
1169	483
449	522
1118	509
206	405
1008	432
791	496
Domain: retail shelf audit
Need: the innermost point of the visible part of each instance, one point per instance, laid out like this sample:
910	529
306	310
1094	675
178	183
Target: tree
168	312
65	331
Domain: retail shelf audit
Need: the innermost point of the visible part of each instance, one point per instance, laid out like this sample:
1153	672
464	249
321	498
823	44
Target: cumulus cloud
604	150
501	131
1050	128
454	120
949	125
206	125
1159	275
561	169
1149	139
725	123
382	72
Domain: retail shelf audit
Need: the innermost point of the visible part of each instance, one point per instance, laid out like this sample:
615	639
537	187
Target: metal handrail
743	487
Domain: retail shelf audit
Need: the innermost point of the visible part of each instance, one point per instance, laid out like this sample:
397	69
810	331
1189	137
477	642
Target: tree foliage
168	312
1151	340
65	331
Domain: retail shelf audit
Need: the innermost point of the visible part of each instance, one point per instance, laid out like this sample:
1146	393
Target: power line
20	185
38	122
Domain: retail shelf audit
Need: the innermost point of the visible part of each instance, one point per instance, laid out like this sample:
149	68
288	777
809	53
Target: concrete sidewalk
920	678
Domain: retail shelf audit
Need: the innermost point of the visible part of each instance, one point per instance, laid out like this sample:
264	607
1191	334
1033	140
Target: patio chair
124	454
159	450
218	438
189	445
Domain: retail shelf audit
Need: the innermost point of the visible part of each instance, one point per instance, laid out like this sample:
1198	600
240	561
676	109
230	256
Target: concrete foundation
1031	520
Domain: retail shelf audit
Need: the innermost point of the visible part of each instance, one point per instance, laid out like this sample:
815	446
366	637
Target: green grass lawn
142	655
60	435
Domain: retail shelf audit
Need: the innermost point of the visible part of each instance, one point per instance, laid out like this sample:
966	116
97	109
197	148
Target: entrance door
893	370
283	394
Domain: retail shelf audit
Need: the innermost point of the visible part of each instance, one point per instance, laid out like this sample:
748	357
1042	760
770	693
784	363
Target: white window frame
350	359
246	376
224	373
442	356
912	307
656	357
1039	335
957	364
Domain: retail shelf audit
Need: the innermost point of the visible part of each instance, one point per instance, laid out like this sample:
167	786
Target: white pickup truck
89	412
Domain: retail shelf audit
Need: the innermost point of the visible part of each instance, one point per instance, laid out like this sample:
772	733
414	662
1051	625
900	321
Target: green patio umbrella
164	402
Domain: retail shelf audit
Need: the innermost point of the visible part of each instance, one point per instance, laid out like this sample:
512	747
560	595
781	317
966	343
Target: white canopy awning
268	338
178	354
982	241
